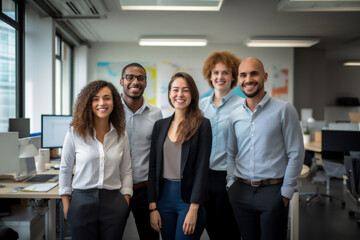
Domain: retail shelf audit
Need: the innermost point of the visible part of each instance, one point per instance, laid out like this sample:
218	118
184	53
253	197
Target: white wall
39	67
107	52
80	69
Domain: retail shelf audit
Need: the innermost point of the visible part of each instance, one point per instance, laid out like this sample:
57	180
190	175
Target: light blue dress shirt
219	125
139	126
266	144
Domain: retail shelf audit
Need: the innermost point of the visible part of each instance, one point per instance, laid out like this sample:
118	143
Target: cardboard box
354	117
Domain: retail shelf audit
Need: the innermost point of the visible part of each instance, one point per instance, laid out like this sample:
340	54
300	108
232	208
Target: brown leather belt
260	183
140	185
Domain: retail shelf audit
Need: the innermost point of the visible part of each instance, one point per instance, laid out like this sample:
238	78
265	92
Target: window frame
19	25
58	56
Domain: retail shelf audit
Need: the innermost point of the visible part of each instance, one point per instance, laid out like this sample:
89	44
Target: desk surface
313	146
7	191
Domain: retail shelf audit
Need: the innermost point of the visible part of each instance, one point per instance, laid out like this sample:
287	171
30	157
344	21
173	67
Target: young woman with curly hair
220	71
102	184
179	162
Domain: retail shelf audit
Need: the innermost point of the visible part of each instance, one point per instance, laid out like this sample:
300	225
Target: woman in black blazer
179	162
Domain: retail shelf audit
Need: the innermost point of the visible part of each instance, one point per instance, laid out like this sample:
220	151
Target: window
9	58
63	76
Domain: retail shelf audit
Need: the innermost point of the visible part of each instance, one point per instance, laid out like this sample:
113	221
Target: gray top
172	159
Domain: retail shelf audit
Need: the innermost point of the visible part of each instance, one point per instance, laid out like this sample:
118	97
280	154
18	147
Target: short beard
255	93
134	97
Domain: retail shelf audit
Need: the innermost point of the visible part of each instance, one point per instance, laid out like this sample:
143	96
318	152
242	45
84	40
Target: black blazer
195	156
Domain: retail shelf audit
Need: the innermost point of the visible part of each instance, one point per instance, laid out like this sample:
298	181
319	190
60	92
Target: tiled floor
327	220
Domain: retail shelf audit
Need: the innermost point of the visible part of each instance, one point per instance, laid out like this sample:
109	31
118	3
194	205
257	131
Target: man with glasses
140	119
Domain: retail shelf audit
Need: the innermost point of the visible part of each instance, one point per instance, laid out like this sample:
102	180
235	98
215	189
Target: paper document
41	187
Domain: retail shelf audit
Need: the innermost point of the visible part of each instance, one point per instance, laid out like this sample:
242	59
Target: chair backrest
336	144
352	166
340	141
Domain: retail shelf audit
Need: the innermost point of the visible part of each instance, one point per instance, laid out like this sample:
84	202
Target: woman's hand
155	219
190	219
66	203
127	198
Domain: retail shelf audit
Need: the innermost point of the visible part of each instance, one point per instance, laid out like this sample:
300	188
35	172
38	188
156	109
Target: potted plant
306	135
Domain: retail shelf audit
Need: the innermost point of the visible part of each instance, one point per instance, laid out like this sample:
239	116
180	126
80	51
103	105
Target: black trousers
260	212
97	214
220	222
139	206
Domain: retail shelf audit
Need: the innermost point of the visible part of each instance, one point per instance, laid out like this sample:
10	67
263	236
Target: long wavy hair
83	118
225	57
193	116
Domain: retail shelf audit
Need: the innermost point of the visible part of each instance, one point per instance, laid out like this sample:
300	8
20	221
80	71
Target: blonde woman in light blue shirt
220	70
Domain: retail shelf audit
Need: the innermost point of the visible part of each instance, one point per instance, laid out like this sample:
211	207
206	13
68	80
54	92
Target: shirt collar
264	100
112	128
262	103
144	106
224	99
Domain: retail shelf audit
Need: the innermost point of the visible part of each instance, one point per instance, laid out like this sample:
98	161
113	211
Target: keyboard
43	178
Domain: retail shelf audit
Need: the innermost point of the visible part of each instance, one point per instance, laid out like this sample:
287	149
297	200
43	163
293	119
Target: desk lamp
27	149
27	152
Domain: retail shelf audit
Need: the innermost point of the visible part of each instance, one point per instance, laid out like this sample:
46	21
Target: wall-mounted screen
53	130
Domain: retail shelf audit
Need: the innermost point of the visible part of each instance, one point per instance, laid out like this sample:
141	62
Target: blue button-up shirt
265	144
219	125
139	126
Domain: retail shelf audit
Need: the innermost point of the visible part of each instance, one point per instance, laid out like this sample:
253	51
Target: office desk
313	146
52	195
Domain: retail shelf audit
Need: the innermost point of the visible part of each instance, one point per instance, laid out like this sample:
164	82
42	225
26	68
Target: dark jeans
97	214
259	211
139	206
173	211
220	221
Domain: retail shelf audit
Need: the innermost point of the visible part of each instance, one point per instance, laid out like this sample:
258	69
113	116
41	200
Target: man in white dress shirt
140	119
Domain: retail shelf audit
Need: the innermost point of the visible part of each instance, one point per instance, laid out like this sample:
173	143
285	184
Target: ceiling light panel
352	63
164	41
318	5
280	42
171	5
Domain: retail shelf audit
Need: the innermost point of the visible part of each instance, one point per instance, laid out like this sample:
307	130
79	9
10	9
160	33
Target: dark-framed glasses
131	77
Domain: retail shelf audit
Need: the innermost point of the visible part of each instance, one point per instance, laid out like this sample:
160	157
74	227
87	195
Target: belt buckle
254	185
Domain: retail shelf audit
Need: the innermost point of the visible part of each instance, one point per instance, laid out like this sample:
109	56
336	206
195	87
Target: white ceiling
236	21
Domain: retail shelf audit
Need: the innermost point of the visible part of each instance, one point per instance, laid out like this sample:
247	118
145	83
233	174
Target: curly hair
225	57
193	116
83	117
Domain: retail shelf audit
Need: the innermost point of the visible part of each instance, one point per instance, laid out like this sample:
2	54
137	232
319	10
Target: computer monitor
9	153
20	125
53	130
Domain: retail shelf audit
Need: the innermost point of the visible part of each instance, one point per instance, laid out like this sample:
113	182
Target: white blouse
102	166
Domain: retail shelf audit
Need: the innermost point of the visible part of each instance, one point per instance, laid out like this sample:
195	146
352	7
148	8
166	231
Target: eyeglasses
131	77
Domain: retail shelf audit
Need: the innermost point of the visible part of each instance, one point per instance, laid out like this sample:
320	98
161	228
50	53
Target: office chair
335	144
352	166
318	177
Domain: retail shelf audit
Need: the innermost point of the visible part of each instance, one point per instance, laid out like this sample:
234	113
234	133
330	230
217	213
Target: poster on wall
111	71
280	83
